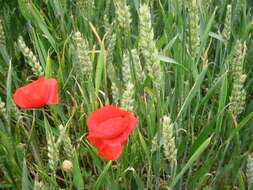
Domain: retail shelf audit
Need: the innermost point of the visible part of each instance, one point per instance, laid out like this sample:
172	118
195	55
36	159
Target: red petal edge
36	94
32	95
110	151
103	114
52	85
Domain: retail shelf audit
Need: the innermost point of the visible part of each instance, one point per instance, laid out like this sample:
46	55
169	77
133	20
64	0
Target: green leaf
206	33
77	174
222	102
193	92
9	92
193	158
99	69
25	179
101	177
48	71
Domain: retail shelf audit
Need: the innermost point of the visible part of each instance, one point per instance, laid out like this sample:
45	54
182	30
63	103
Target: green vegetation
184	68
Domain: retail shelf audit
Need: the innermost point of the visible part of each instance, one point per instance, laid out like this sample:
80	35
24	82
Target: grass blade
193	158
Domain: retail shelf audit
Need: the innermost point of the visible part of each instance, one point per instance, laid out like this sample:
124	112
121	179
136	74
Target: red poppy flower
37	94
109	128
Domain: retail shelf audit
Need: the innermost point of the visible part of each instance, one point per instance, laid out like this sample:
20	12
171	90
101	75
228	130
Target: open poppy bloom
109	128
37	94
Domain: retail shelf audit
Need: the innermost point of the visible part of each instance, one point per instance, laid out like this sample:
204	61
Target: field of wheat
126	94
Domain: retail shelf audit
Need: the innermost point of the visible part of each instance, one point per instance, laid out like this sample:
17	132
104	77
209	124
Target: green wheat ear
30	57
194	26
53	152
127	101
83	56
54	145
123	14
110	49
2	106
238	94
169	145
65	140
227	25
167	141
39	184
249	170
2	35
137	64
148	46
84	5
115	93
126	69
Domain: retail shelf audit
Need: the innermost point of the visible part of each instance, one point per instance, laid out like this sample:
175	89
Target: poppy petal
33	95
103	114
37	94
52	91
110	128
110	151
94	140
133	123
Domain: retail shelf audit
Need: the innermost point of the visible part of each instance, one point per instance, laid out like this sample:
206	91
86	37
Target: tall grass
184	68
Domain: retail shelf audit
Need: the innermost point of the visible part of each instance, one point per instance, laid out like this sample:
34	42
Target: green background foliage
212	143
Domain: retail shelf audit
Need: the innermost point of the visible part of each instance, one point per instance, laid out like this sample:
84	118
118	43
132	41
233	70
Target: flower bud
67	166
